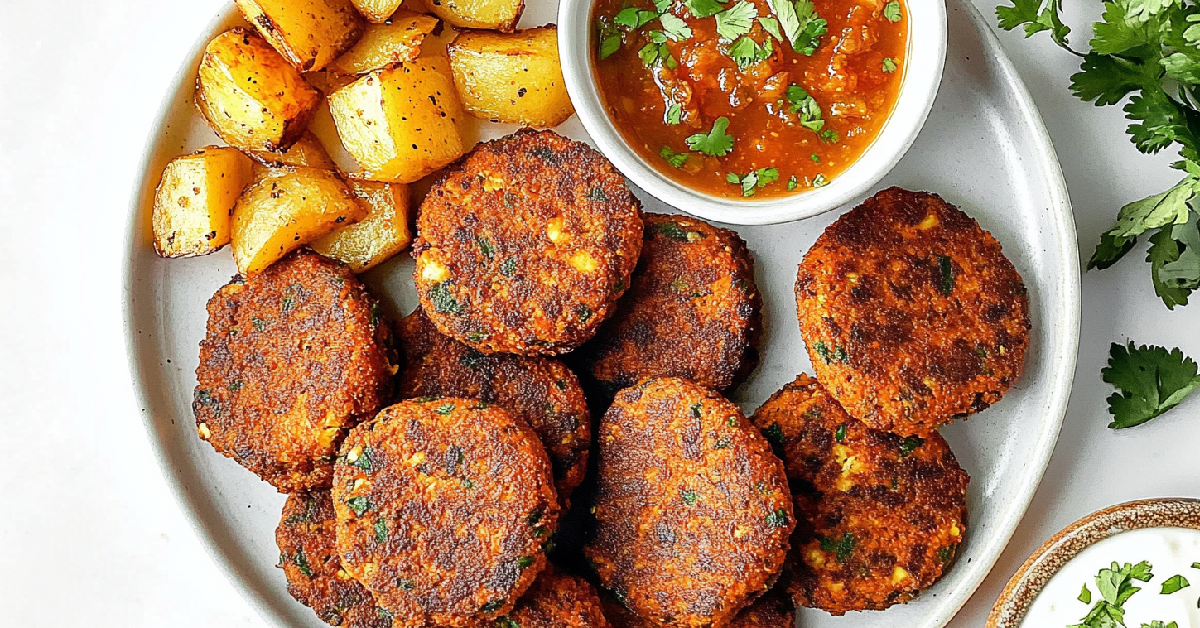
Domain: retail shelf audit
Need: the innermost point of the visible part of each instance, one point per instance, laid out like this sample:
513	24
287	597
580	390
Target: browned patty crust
556	600
525	245
443	507
693	310
880	516
309	558
541	391
293	358
911	313
773	610
693	511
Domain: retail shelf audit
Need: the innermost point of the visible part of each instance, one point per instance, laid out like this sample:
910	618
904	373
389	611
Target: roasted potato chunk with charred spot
385	45
377	10
307	152
501	15
286	209
195	199
250	95
401	124
308	33
513	78
379	236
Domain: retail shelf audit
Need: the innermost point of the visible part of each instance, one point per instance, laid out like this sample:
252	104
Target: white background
90	535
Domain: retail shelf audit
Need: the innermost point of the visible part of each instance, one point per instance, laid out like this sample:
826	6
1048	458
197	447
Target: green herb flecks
792	182
674	27
840	434
365	459
675	232
778	519
715	143
690	497
508	267
820	181
287	304
891	11
695	409
485	247
1085	595
609	45
634	18
1149	381
445	409
507	622
584	313
405	585
534	517
359	504
889	65
1159	624
381	531
946	554
471	359
909	445
492	606
838	354
747	52
806	107
525	562
301	562
443	301
945	275
801	25
1173	584
1115	585
751	182
673	116
774	434
771	25
842	548
704	8
672	157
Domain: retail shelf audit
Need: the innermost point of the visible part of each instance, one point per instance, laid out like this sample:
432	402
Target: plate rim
1060	212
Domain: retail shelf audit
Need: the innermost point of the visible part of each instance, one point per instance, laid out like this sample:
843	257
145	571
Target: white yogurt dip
1170	552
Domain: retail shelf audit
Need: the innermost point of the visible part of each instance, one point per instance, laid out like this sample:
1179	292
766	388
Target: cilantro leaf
672	157
889	65
737	20
1036	16
609	46
1107	80
662	6
803	104
1159	624
1110	250
1184	271
1149	380
746	52
674	27
1173	584
771	25
704	8
634	18
1085	595
1116	33
674	114
1170	207
752	181
656	52
1164	250
801	24
715	143
1161	121
891	11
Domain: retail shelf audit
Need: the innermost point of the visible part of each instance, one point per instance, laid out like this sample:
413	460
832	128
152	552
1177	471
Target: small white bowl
924	60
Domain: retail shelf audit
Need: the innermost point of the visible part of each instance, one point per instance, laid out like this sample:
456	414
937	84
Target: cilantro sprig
715	143
1145	53
752	181
1149	381
801	25
1115	585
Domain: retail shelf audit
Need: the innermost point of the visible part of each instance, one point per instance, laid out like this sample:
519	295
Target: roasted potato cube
384	45
501	15
401	124
286	209
513	77
308	33
251	97
379	236
194	201
308	152
377	10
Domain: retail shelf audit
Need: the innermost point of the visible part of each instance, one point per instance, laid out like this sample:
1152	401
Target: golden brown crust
911	313
443	506
880	515
309	558
693	310
541	391
557	600
693	511
526	244
293	358
773	610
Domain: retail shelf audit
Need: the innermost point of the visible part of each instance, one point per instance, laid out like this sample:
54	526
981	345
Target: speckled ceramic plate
984	148
1023	588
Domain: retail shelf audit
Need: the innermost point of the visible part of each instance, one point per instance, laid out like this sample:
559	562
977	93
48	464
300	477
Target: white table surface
89	533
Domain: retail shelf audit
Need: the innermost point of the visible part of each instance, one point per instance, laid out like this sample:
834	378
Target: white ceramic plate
984	148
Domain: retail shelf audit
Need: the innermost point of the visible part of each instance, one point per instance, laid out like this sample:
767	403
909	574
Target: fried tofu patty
309	558
443	507
693	310
526	244
911	313
692	509
293	358
773	610
557	600
541	391
880	516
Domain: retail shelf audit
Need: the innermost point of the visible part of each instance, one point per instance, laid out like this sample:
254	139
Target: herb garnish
889	65
737	20
1150	52
672	157
674	27
633	17
802	103
359	504
690	497
715	143
891	11
801	24
381	530
674	114
704	8
443	301
1173	584
1115	585
752	181
747	52
1149	381
841	548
